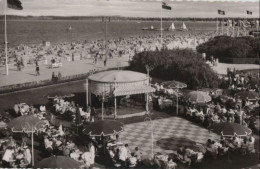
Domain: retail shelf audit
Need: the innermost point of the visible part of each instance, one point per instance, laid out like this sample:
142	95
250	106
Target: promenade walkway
28	74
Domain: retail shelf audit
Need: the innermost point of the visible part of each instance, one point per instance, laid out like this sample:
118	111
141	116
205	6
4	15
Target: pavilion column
89	93
115	108
147	102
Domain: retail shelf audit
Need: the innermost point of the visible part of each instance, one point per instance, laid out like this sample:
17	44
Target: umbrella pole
152	140
115	107
102	108
32	150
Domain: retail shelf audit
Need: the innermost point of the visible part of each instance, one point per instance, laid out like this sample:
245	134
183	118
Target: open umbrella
58	162
250	95
103	128
230	129
174	85
60	95
198	97
26	124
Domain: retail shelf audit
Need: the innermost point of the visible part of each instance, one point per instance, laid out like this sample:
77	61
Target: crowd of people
24	55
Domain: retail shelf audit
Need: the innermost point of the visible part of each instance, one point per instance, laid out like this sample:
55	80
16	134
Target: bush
183	65
231	47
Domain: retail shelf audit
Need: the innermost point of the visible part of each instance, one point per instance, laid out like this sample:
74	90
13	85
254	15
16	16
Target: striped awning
133	89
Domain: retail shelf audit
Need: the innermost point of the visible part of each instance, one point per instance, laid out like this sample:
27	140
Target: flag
14	4
166	6
220	12
249	13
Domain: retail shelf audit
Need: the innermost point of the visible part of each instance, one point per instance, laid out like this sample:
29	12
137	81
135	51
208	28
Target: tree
179	64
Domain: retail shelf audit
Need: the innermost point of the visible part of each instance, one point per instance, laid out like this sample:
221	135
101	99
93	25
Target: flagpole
217	26
6	58
161	24
222	27
245	25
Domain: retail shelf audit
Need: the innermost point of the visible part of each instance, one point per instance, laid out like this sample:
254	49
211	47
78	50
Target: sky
135	8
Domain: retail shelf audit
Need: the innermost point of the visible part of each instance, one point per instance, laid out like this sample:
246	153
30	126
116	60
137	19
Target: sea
29	32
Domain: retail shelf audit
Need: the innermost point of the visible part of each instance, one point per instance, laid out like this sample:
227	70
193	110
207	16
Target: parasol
58	162
250	95
26	124
230	129
174	85
103	128
198	97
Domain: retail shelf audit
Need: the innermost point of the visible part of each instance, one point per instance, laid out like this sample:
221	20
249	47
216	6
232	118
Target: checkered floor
169	134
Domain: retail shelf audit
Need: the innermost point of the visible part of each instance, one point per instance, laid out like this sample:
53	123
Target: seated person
180	152
48	144
170	164
74	155
138	154
42	108
244	147
186	157
251	145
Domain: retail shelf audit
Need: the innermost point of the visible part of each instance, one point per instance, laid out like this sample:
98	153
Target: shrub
231	47
183	65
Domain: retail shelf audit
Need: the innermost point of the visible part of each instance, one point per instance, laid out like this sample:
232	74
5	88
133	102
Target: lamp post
105	20
148	69
150	122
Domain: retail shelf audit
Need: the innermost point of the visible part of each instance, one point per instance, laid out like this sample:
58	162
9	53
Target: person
37	69
92	153
105	62
48	144
170	164
27	155
8	155
186	156
123	154
244	146
138	154
53	76
74	155
251	147
86	157
59	76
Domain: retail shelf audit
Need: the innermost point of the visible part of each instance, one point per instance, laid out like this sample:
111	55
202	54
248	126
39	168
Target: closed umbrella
103	128
230	129
26	124
250	95
174	85
58	162
198	97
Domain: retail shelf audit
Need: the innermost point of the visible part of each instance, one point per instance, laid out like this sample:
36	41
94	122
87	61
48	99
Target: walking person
37	69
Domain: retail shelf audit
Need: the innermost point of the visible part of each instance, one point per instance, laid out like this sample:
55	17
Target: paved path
169	134
68	68
221	68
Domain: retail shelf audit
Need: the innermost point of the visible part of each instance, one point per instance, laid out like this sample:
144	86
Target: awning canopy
133	89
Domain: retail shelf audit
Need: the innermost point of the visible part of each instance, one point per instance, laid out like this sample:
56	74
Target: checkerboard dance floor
168	135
